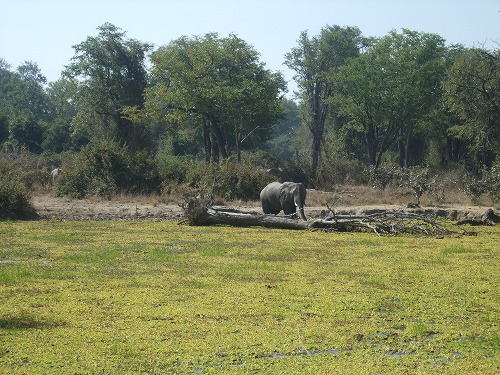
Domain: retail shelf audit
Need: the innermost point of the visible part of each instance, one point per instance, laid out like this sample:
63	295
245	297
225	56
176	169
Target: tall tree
281	144
389	89
62	96
364	97
417	74
313	60
25	105
473	94
113	74
221	85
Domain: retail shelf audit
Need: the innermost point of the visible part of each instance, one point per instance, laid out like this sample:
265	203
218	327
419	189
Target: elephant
55	174
286	196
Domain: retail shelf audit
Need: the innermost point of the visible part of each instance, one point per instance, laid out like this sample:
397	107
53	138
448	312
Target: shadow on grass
27	322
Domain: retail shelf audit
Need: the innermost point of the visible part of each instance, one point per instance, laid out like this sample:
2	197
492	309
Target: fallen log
237	218
198	212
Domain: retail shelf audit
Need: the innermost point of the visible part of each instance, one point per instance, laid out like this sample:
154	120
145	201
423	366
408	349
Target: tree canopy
113	76
314	59
221	85
473	94
390	88
402	100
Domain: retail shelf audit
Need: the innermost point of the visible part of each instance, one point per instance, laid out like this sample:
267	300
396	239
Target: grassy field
146	297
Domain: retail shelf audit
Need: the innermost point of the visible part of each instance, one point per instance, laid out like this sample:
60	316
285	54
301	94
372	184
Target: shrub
226	180
30	169
106	168
382	176
474	187
15	200
492	182
239	181
487	183
232	181
343	172
417	179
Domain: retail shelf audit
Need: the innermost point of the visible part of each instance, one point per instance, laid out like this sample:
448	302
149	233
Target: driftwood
199	212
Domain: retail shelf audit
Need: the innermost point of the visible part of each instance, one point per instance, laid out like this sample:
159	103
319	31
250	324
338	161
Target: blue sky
45	31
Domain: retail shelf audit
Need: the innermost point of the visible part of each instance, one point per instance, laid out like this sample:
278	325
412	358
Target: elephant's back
270	190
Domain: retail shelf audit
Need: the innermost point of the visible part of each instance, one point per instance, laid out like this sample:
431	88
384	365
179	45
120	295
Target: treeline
136	118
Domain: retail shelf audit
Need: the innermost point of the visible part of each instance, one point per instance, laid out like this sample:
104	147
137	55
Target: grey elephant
286	196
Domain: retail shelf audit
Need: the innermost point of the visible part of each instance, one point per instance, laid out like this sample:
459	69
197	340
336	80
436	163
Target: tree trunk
238	147
198	213
219	138
401	155
207	141
317	125
236	218
371	145
404	147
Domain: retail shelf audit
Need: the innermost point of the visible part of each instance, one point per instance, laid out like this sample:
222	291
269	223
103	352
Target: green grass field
146	297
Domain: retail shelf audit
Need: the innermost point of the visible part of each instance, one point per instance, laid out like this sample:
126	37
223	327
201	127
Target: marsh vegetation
136	297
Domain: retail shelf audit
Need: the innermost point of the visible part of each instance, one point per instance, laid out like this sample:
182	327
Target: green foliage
23	105
472	93
113	74
219	82
346	172
226	180
361	101
106	168
58	135
18	174
158	298
237	181
486	183
15	199
389	89
282	144
314	59
4	127
29	169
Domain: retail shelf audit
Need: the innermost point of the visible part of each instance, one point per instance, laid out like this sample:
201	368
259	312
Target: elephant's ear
284	195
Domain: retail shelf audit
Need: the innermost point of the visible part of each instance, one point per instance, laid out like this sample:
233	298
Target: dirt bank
131	208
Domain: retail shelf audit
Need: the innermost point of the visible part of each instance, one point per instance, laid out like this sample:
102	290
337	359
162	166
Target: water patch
7	261
396	354
301	353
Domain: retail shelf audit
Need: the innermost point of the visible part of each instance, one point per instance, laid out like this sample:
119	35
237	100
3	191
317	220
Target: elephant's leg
289	210
268	209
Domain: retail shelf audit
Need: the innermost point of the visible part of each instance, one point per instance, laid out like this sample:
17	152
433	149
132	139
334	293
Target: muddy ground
131	208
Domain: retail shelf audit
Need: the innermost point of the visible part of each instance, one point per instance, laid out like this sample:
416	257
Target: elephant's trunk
301	213
300	205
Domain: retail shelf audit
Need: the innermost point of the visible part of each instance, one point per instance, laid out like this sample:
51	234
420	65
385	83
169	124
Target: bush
30	169
106	168
237	181
343	172
382	176
226	180
487	183
15	200
417	179
492	182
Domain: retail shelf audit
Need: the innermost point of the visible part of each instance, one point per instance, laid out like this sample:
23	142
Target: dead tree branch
199	212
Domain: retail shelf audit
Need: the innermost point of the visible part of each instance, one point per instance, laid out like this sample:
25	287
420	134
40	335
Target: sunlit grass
144	297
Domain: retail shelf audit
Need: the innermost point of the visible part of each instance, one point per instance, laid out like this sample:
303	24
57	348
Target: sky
45	31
